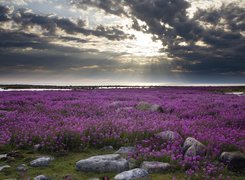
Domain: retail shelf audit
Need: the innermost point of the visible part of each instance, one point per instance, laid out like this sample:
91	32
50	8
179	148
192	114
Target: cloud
211	41
51	23
220	31
4	13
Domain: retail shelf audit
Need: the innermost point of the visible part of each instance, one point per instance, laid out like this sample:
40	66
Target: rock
156	167
149	107
125	151
156	108
36	147
168	135
234	160
193	147
3	156
41	177
4	167
196	150
103	164
41	162
22	167
94	179
107	148
11	156
132	174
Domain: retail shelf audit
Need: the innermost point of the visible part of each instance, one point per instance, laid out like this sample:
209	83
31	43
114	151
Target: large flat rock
145	106
193	147
103	164
234	160
156	167
168	135
133	174
41	161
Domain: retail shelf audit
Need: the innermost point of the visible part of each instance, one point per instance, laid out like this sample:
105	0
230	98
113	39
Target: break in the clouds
122	41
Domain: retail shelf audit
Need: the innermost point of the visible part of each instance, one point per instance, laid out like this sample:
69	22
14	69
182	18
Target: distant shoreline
70	87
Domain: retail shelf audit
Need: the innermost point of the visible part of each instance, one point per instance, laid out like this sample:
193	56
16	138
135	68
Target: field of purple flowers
72	120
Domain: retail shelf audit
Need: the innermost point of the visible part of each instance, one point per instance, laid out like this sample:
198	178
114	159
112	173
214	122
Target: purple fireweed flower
69	120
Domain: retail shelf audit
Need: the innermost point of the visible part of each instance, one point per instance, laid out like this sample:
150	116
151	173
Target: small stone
103	164
126	151
36	147
3	156
193	147
107	148
149	107
4	167
156	108
234	160
22	167
156	167
41	177
133	174
168	135
41	162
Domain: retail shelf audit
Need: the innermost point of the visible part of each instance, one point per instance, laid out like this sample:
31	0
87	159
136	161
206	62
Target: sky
98	42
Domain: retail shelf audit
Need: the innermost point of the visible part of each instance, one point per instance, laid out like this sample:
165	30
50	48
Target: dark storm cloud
223	45
4	13
23	52
51	23
22	40
233	14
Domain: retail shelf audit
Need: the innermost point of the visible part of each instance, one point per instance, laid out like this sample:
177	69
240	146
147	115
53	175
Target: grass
64	165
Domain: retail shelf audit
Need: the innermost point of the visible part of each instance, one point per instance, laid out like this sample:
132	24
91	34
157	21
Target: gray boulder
4	167
156	108
125	151
156	167
3	156
41	177
133	174
22	167
36	147
149	107
168	135
193	147
103	164
235	161
41	162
